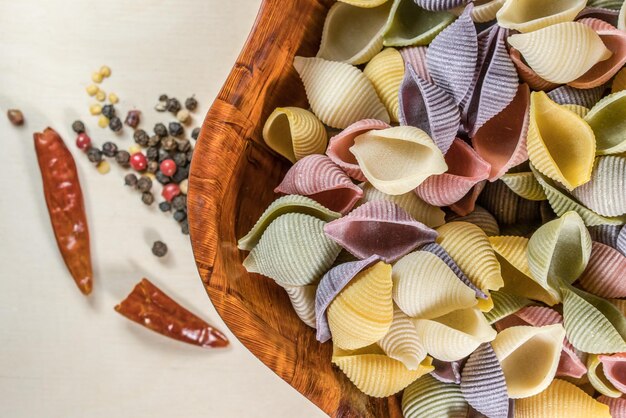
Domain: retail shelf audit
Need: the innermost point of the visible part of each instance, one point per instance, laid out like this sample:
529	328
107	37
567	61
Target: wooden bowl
232	178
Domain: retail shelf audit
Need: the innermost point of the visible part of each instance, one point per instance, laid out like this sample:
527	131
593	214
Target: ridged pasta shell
524	185
437	5
379	228
402	342
386	71
293	250
339	146
605	274
428	107
331	285
608	121
281	206
363	311
397	160
596	24
579	110
486	10
621	18
469	246
546	49
619	82
598	379
601	73
561	399
607	15
353	34
409	24
317	177
507	207
527	74
617	406
561	144
605	234
303	301
364	3
448	371
377	375
614	370
481	218
415	57
454	335
418	209
529	357
501	141
504	304
425	287
339	93
467	204
427	397
511	253
605	4
530	15
465	169
570	95
294	133
621	241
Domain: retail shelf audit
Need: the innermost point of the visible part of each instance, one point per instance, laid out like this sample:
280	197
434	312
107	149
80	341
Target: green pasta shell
608	121
504	304
428	397
409	24
524	185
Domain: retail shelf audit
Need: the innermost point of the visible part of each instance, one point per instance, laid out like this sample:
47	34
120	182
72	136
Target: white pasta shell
294	133
621	18
386	71
608	121
353	34
480	217
425	287
364	3
486	10
529	15
402	342
549	51
339	93
605	193
397	160
529	357
303	301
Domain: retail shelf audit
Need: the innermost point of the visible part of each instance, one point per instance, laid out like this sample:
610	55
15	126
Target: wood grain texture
232	178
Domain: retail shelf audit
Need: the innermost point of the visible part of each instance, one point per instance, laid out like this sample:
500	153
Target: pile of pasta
459	236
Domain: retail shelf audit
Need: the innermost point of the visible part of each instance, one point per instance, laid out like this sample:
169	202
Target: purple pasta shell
415	56
448	371
439	5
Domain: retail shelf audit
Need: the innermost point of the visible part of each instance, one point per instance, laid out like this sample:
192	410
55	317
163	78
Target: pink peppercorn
168	167
138	161
83	141
170	191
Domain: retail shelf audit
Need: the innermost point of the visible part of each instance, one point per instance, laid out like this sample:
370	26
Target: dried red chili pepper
64	199
149	306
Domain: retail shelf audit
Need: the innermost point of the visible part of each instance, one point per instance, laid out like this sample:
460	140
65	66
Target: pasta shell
507	207
504	305
381	228
339	146
339	93
448	371
619	82
607	15
598	379
415	57
479	263
331	285
561	399
486	10
353	34
386	71
303	301
293	250
437	5
425	287
521	346
601	73
511	254
546	49
614	370
465	169
570	95
454	335
409	24
364	3
281	206
605	234
604	275
561	145
317	177
397	160
608	121
467	204
527	74
427	397
501	141
402	342
294	133
524	185
621	19
377	375
579	110
430	108
481	218
530	15
363	311
617	406
418	209
483	384
621	242
605	4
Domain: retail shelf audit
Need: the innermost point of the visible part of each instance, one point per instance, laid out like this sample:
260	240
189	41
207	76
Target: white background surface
64	355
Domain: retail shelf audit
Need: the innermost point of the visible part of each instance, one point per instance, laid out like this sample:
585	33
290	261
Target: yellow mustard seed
95	109
105	71
151	176
113	98
103	167
96	77
133	149
183	185
100	96
103	121
92	89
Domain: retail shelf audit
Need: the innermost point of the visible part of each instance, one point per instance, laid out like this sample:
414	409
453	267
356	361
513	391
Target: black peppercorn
165	206
176	129
94	155
154	141
160	130
181	174
122	158
132	118
191	103
183	145
190	155
195	133
179	202
147	198
159	248
141	137
109	149
163	155
115	124
180	215
144	184
184	227
130	180
108	111
153	167
162	178
78	127
173	105
180	158
152	153
163	98
169	143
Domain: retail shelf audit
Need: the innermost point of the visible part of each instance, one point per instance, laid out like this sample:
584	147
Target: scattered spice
103	167
92	89
154	141
173	105
83	141
130	179
113	98
95	109
162	178
163	155
133	118
184	227
180	158
78	127
134	148
183	186
144	184
105	71
163	98
191	103
160	130
147	198
180	215
168	167
138	161
160	107
170	191
159	248
165	206
195	133
183	116
176	129
152	153
141	137
103	121
16	117
153	166
183	145
101	96
94	155
179	202
190	155
122	158
96	77
108	111
181	174
109	149
115	124
169	143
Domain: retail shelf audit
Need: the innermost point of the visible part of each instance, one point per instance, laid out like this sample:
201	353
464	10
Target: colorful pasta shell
448	371
527	74
363	311
613	366
437	5
598	379
524	185
620	245
570	95
365	3
293	250
546	49
605	234
379	228
481	218
467	204
530	15
339	93
621	18
605	4
507	207
402	342
353	34
303	301
397	160
617	406
608	121
425	287
619	82
486	10
601	73
317	177
409	24
504	305
605	274
608	15
521	346
579	110
386	71
427	397
415	57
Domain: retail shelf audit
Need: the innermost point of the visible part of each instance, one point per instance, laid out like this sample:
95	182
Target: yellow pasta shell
386	71
364	3
597	378
485	10
362	313
524	185
529	15
402	341
294	133
560	143
303	301
578	109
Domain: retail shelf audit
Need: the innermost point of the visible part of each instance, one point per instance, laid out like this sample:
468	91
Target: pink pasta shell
608	15
415	56
467	204
605	274
527	74
617	406
596	24
614	367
